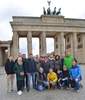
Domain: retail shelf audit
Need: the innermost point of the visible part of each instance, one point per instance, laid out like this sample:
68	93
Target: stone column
29	42
15	44
43	43
75	44
83	37
62	44
1	59
56	44
9	51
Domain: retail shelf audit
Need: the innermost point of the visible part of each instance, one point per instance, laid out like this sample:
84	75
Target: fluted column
9	51
75	44
29	42
56	44
1	59
62	44
43	43
15	44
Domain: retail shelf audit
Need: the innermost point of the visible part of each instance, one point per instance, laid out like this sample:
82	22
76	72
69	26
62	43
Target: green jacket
68	61
18	69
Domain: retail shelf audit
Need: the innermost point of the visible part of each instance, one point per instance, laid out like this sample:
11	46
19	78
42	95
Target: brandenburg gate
67	33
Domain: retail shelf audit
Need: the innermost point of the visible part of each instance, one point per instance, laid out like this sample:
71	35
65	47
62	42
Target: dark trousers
20	85
26	82
66	83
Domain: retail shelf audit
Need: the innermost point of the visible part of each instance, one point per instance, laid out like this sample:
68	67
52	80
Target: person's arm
38	80
6	67
48	77
55	80
79	72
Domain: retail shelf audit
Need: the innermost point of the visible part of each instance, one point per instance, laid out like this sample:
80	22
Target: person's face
57	57
37	58
74	63
67	53
41	70
19	59
10	58
65	69
50	70
24	56
30	56
46	58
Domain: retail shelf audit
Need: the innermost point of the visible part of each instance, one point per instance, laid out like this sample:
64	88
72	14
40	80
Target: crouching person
75	76
52	78
65	78
42	82
19	75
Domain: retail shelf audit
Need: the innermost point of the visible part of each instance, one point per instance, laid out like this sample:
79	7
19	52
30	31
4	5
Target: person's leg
8	83
54	85
45	84
77	85
18	85
72	82
66	84
34	80
27	82
12	82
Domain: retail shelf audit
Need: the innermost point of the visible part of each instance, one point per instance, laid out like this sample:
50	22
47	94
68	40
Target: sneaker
19	92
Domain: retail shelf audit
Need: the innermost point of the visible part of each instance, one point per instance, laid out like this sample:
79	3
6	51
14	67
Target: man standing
9	66
68	60
30	70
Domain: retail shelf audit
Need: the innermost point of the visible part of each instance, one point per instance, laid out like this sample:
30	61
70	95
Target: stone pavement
45	95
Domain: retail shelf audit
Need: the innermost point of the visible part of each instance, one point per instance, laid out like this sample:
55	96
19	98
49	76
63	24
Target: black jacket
30	66
41	77
45	66
9	67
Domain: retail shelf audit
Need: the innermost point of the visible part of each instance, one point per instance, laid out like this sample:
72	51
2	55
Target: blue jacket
75	72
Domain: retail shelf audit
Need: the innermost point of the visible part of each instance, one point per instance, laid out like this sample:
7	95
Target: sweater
68	60
52	77
18	70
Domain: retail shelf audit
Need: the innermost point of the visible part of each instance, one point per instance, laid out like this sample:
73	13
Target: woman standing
19	70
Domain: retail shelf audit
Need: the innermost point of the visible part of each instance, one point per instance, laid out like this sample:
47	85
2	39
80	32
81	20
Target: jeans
75	84
43	83
33	76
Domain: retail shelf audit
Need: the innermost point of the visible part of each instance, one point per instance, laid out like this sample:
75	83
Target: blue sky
9	8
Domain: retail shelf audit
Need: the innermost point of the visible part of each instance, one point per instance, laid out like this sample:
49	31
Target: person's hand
21	73
76	79
51	82
27	73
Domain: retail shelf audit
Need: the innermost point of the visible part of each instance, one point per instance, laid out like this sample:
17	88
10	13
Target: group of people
45	72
